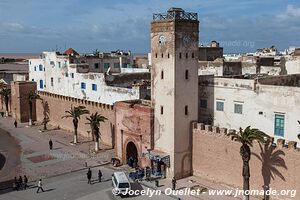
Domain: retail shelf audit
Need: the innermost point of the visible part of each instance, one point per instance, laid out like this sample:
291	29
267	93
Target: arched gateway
131	154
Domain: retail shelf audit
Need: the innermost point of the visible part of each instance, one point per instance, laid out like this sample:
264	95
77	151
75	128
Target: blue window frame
220	106
59	64
116	65
106	65
94	87
279	125
41	84
238	108
41	68
125	65
83	85
203	103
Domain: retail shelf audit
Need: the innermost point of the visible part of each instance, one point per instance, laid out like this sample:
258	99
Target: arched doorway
131	154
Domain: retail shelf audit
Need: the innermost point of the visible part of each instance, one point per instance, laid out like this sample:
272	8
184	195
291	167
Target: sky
33	26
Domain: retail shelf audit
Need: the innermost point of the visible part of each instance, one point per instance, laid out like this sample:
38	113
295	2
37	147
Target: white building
80	77
270	104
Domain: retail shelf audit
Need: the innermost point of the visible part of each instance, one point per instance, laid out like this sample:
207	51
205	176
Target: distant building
211	52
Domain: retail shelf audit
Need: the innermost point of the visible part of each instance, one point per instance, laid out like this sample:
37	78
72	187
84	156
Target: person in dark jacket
20	182
16	184
173	183
99	175
50	144
89	176
25	182
16	124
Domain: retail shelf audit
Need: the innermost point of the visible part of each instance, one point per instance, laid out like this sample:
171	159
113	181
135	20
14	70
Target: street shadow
271	160
49	190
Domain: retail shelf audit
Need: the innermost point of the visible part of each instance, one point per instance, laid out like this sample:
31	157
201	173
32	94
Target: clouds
35	25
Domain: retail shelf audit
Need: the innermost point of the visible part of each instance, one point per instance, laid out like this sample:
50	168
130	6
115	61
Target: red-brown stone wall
58	104
217	157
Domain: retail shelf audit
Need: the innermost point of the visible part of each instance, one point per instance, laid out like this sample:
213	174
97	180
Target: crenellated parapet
76	100
201	128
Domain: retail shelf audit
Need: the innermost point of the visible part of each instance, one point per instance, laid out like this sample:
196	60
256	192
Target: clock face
162	40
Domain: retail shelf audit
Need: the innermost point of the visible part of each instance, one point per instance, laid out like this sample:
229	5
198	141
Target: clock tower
174	82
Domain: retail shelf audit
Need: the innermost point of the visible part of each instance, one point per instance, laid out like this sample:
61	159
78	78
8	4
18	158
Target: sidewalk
38	161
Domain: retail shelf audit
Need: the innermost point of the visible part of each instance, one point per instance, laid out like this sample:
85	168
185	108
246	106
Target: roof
121	177
71	52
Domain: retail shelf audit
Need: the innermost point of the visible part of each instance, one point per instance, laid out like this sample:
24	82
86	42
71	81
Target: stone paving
38	161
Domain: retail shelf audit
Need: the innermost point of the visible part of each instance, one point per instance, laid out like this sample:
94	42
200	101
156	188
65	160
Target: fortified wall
216	157
56	105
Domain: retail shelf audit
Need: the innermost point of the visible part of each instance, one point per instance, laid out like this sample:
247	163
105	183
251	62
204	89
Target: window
51	81
156	55
41	84
29	62
193	56
125	65
34	68
106	65
67	75
186	110
161	110
51	62
96	65
162	55
83	85
220	105
168	55
186	74
279	125
203	103
59	64
32	79
162	74
186	55
238	108
72	75
94	87
180	55
41	67
116	65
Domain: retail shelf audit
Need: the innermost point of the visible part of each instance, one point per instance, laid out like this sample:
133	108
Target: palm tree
94	122
5	92
32	97
246	138
75	113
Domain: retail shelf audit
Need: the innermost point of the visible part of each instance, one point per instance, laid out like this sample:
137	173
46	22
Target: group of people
89	176
21	183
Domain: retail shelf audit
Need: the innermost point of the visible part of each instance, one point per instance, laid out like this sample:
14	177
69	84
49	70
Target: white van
120	182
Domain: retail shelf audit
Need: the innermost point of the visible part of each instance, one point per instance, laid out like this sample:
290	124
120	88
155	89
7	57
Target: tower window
156	55
193	56
161	110
168	55
180	55
186	74
186	55
186	110
162	74
162	55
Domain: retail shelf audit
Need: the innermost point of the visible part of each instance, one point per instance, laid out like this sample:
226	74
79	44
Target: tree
75	113
246	138
5	92
94	122
32	97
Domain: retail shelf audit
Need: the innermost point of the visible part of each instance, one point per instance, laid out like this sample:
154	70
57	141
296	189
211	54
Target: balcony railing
175	14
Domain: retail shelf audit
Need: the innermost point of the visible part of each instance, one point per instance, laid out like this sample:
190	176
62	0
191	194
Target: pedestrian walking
16	184
20	182
50	144
25	182
173	183
89	176
2	114
99	175
16	124
40	186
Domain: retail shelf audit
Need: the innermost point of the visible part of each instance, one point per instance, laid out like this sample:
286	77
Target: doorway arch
131	154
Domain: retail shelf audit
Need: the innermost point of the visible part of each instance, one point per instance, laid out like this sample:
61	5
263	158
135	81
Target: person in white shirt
40	186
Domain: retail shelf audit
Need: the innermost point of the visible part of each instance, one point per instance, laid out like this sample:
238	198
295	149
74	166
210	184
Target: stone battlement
76	100
217	131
